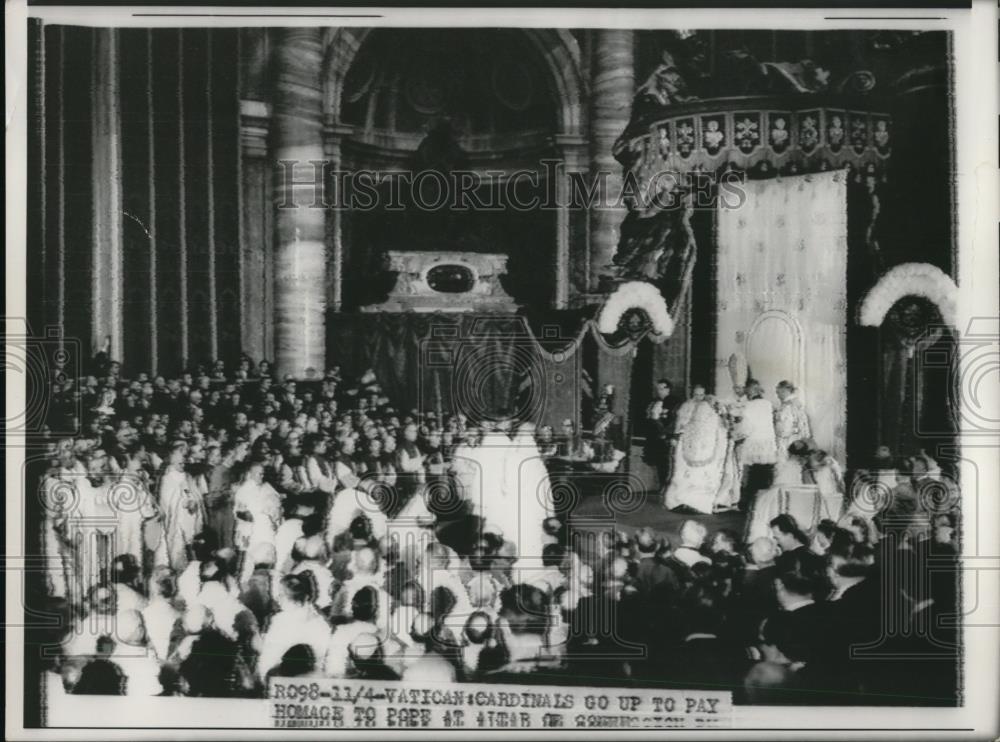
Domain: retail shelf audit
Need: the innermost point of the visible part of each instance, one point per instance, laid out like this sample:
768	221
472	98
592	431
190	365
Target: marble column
300	218
256	229
568	219
611	90
107	189
333	136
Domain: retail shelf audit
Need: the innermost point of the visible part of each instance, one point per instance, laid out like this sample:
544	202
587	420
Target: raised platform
650	513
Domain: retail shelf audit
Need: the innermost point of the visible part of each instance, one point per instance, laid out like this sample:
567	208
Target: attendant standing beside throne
790	420
758	447
660	435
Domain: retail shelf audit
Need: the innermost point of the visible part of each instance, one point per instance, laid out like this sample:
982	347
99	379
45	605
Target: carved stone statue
438	226
657	246
643	239
665	87
912	395
745	74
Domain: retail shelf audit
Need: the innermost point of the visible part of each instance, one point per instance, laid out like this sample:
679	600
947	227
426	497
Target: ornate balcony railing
785	134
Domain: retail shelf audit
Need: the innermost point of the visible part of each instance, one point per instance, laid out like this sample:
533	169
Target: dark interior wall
492	89
527	237
179	128
70	51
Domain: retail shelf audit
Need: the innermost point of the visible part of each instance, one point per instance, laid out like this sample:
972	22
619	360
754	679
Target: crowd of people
208	532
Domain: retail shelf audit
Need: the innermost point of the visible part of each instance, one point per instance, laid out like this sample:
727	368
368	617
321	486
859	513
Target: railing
788	133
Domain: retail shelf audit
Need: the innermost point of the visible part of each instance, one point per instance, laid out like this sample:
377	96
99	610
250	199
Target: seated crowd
212	531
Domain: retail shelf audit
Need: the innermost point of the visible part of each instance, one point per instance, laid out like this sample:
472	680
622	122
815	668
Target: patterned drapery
782	289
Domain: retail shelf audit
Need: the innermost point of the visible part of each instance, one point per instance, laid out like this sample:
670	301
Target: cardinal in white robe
134	506
486	470
790	420
464	471
756	429
528	494
58	495
789	474
257	506
183	514
91	525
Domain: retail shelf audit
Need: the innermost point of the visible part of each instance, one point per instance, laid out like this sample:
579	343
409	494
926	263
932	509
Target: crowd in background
206	532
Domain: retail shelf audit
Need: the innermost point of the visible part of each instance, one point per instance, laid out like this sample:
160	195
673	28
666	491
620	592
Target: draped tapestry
479	364
782	289
486	365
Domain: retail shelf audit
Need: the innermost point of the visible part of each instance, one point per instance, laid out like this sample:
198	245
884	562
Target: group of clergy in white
717	443
95	513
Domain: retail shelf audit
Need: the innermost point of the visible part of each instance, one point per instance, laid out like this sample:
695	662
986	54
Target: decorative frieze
786	134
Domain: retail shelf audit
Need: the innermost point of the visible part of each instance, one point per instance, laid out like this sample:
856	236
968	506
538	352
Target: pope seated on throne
704	474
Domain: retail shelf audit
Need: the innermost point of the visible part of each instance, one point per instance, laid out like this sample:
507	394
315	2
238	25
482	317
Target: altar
446	281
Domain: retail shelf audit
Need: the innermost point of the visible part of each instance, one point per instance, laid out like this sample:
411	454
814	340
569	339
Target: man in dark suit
794	637
787	534
757	598
654	578
705	658
660	433
855	614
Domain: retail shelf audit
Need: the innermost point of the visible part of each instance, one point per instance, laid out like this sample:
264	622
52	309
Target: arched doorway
488	108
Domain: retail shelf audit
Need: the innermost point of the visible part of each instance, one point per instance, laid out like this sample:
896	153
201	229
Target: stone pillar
300	251
256	232
611	90
333	136
568	219
107	190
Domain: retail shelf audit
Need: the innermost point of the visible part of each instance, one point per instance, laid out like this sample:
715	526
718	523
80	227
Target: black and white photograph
442	373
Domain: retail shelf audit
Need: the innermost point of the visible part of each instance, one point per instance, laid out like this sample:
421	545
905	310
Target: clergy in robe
60	497
759	445
130	497
321	472
183	509
527	495
464	470
758	448
410	462
791	423
703	468
91	526
345	468
767	505
487	476
221	483
257	506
